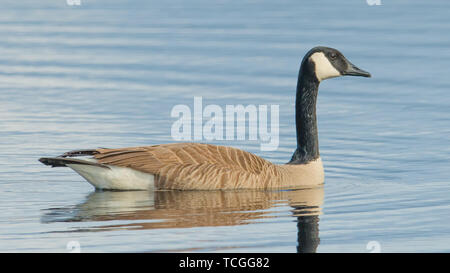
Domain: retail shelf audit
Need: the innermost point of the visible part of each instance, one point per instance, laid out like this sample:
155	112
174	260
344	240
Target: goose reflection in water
184	209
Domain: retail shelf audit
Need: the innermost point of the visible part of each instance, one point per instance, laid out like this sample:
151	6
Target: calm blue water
108	73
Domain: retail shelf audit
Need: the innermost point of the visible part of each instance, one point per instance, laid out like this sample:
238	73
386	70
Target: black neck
305	116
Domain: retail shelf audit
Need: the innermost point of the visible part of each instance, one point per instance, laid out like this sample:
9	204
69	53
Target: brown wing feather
195	166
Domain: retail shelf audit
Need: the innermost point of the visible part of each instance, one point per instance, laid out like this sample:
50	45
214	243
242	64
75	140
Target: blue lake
108	74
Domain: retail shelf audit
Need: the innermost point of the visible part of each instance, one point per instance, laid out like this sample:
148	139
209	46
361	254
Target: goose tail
101	176
62	162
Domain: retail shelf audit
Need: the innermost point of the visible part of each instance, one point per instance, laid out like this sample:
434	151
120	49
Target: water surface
108	73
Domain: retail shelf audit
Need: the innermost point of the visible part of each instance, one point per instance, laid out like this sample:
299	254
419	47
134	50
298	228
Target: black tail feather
61	162
79	152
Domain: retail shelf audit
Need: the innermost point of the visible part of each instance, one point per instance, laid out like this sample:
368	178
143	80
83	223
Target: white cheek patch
324	69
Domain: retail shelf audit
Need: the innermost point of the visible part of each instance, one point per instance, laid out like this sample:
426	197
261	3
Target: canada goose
194	166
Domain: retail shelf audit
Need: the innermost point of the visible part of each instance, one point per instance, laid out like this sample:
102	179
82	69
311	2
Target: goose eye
333	55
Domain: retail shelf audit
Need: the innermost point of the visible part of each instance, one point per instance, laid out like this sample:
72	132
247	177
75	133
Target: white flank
324	69
114	178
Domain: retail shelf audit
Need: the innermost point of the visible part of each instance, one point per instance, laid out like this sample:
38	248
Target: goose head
325	63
